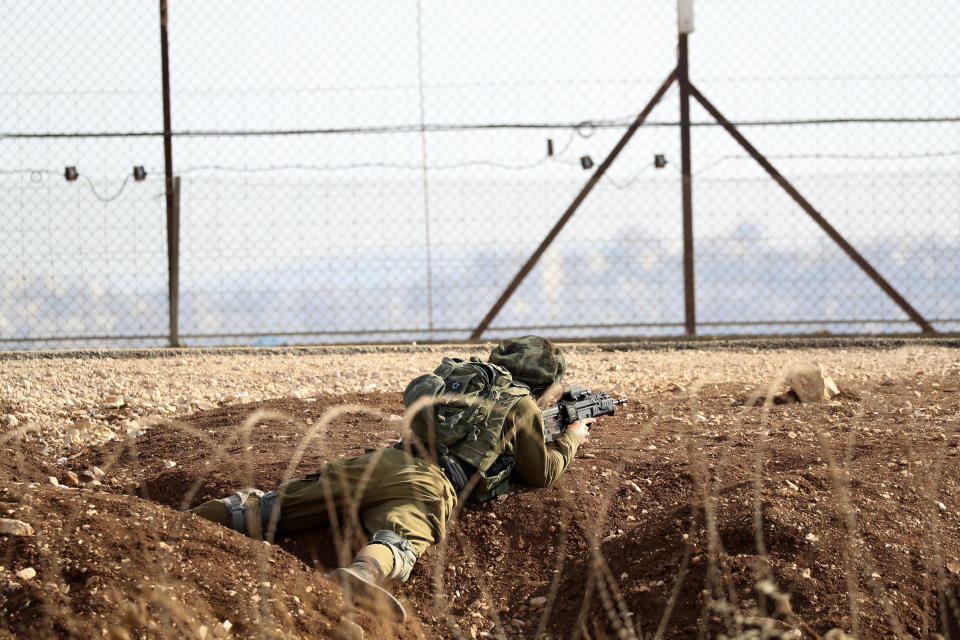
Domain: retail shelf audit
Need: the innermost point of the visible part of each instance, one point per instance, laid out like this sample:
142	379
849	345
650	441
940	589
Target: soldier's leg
387	489
337	491
297	505
415	502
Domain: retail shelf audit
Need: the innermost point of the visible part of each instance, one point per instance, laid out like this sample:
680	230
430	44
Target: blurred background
379	171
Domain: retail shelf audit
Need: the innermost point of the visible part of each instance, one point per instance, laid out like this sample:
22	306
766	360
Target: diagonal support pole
813	213
584	192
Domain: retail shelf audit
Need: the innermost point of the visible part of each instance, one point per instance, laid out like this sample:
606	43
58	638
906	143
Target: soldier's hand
581	428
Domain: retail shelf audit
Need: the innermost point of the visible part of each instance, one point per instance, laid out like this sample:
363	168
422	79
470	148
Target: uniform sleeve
538	463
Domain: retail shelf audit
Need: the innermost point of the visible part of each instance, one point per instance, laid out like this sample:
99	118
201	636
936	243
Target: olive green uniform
390	490
403	500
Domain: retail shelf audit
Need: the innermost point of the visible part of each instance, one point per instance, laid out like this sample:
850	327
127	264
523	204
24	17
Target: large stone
809	382
9	527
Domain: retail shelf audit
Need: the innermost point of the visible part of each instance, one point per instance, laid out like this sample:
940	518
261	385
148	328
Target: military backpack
461	410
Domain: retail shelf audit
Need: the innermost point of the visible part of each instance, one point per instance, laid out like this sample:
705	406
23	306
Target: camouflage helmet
532	360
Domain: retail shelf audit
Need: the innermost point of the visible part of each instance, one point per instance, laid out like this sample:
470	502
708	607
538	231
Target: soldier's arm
539	464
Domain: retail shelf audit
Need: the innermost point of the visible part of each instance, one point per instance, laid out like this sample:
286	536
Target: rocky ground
695	511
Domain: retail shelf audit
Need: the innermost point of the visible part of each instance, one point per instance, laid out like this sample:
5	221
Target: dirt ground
697	511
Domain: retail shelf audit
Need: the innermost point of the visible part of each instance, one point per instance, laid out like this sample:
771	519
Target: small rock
112	402
11	420
169	464
70	478
222	629
12	586
201	632
54	481
27	574
810	537
98	472
83	424
539	601
941	506
19	528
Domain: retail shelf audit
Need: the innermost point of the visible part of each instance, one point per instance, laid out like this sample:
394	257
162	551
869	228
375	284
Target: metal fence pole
683	79
172	187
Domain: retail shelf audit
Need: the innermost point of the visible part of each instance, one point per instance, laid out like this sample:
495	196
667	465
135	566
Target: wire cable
35	177
835	156
464	127
97	195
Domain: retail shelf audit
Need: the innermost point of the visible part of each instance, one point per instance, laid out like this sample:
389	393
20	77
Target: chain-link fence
378	171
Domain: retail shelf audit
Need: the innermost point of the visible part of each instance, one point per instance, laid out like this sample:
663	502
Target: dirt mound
653	530
102	564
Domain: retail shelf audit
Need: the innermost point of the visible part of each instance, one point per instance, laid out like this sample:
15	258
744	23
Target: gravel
70	400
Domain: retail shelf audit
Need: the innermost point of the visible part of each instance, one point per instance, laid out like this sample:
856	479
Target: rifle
576	404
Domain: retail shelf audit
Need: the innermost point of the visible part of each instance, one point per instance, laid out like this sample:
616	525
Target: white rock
54	481
222	629
11	420
27	574
807	381
538	601
9	527
169	464
810	537
941	506
112	402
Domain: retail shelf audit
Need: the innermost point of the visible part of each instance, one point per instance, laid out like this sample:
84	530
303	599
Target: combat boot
362	582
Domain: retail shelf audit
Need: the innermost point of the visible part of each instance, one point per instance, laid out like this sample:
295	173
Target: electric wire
558	157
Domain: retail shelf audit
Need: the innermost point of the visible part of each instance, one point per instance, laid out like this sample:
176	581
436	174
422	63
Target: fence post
172	187
683	79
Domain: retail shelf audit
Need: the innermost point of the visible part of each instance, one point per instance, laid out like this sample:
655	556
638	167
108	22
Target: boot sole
379	598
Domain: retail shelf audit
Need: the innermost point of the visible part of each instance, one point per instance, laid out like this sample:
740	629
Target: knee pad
404	556
237	507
